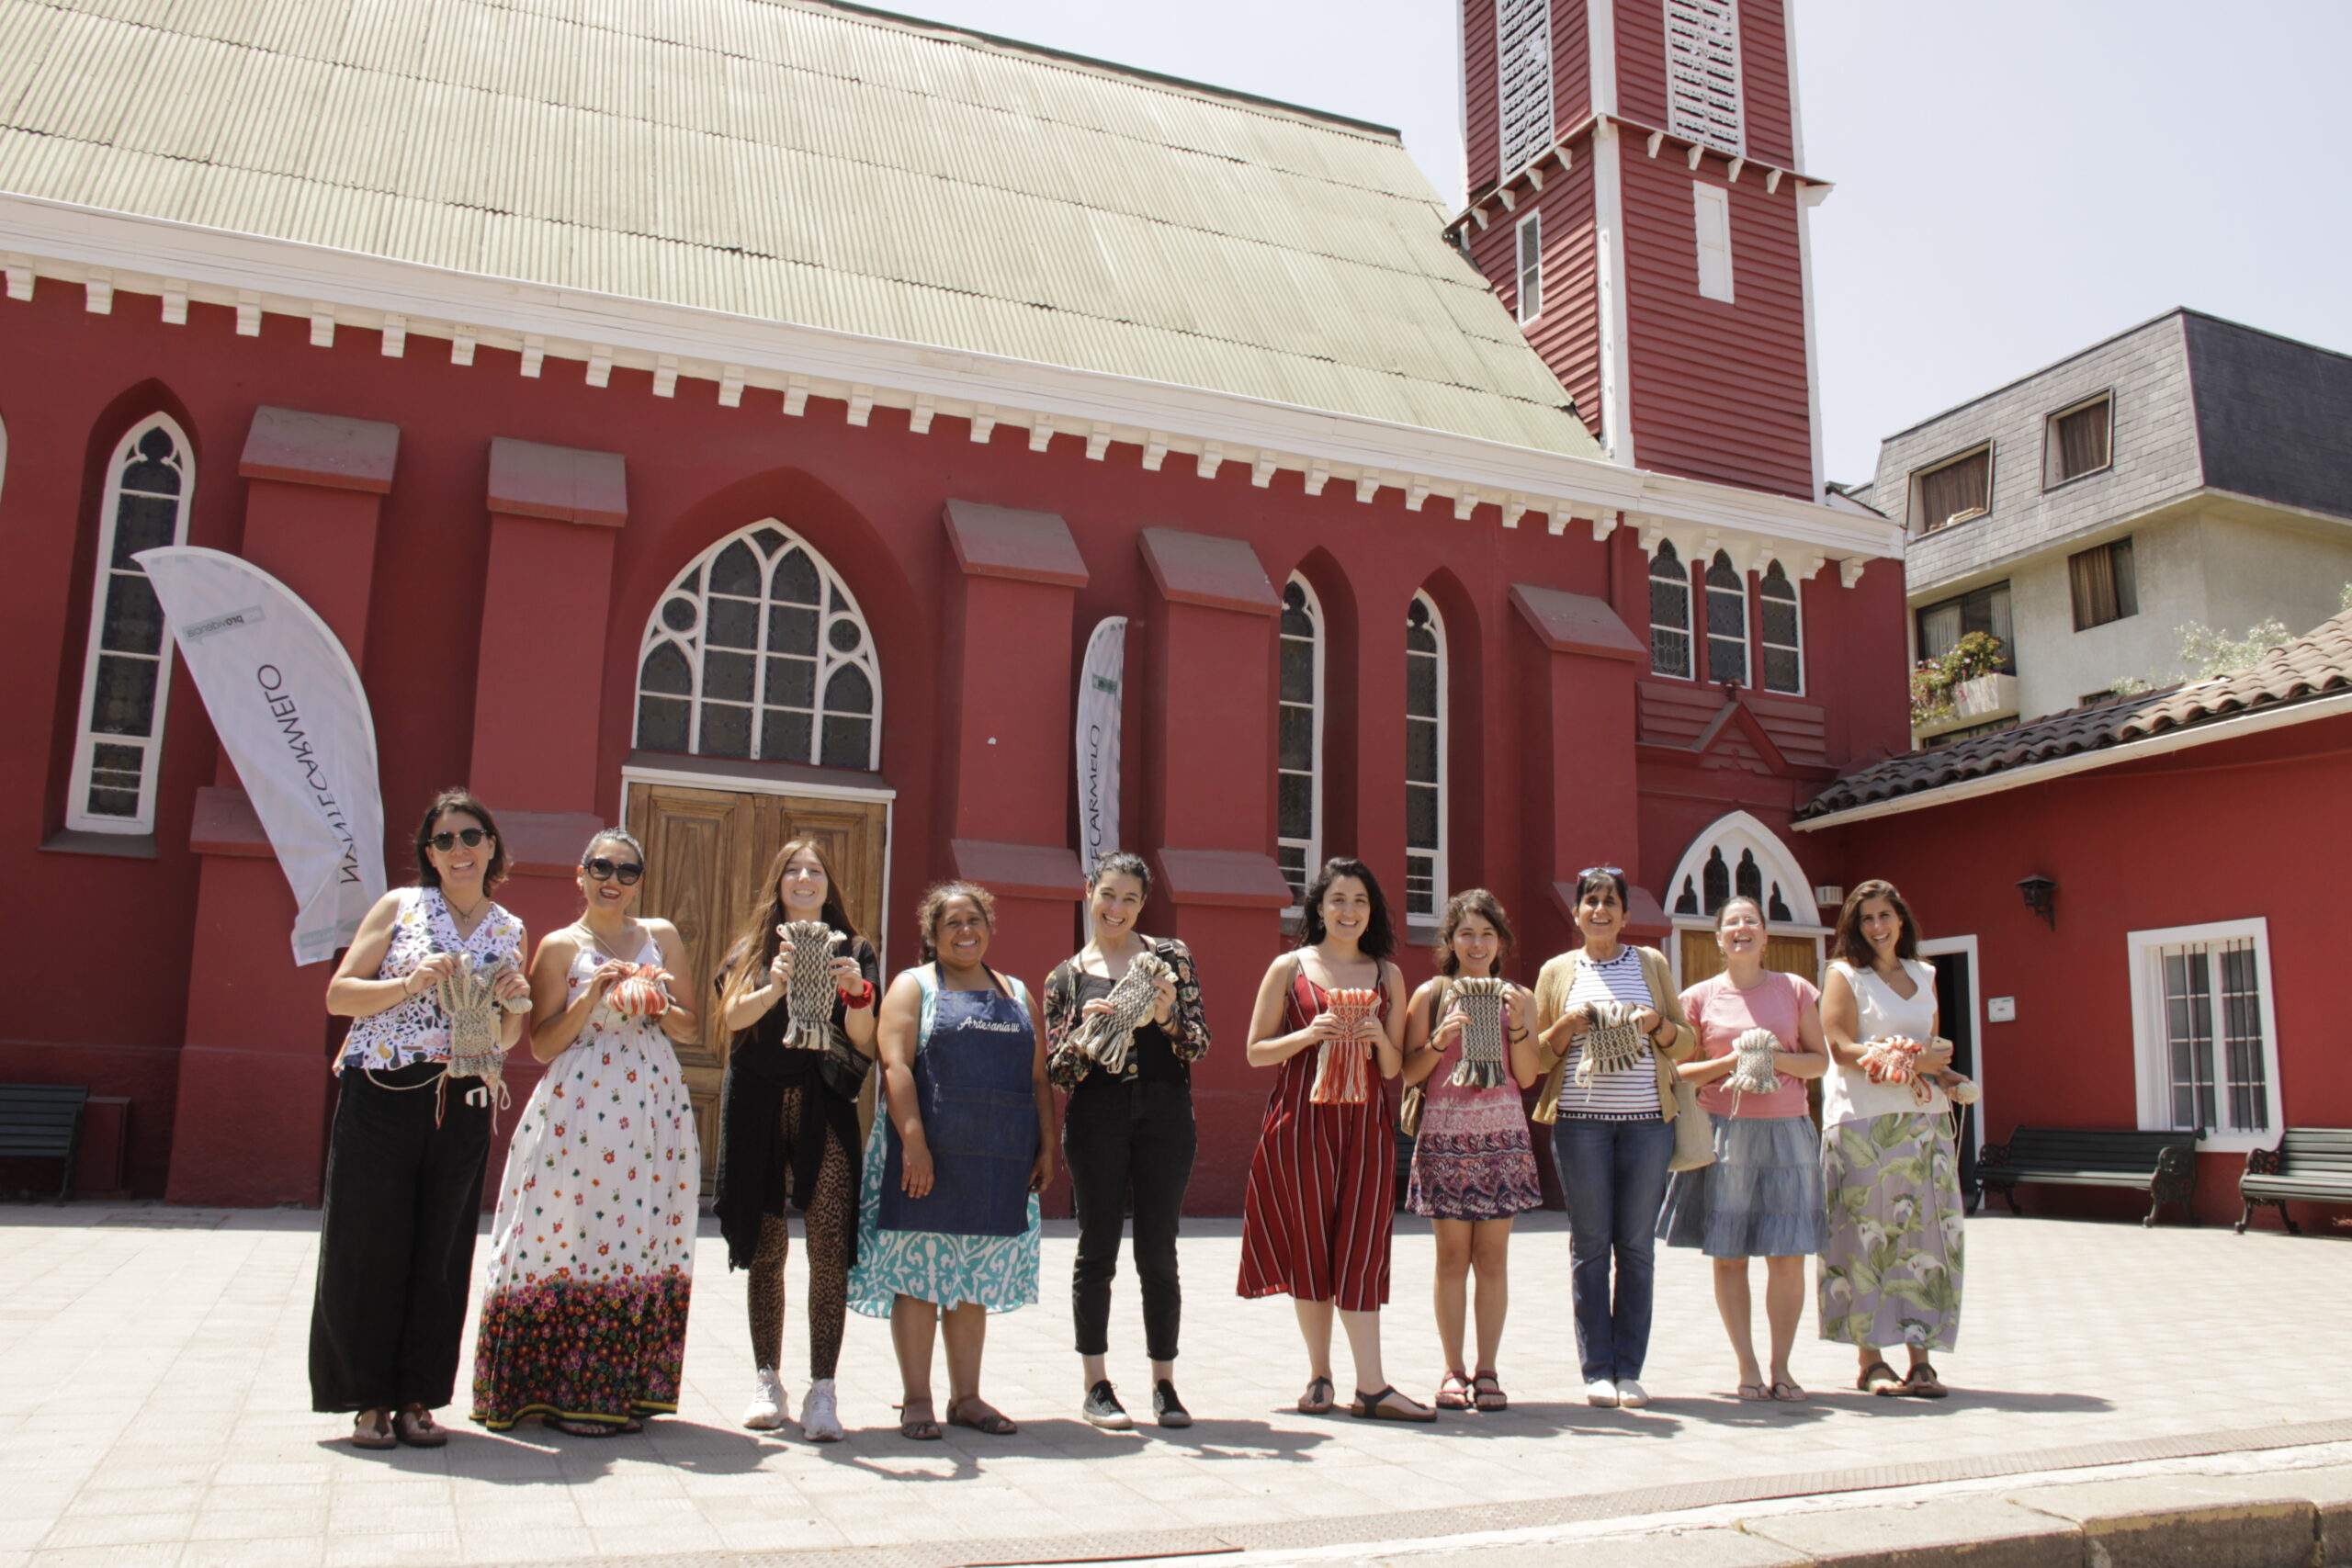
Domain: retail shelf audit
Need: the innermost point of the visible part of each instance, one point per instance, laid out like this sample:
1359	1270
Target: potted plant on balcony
1937	694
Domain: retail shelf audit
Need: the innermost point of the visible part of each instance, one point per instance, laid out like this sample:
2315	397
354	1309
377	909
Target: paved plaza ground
159	1411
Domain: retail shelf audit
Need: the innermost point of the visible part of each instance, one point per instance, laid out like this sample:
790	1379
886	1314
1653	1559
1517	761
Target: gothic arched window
127	672
759	651
1669	613
1726	621
1783	639
1424	759
1298	763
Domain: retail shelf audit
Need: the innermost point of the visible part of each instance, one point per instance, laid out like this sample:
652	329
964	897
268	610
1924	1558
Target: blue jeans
1614	1176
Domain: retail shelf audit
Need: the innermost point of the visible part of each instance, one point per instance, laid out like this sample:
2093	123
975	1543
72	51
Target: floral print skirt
1473	1159
584	1311
1891	1271
998	1273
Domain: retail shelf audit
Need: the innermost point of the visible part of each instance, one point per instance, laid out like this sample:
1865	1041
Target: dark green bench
2163	1165
2311	1164
39	1121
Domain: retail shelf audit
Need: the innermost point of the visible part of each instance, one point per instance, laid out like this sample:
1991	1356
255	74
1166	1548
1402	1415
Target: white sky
2016	179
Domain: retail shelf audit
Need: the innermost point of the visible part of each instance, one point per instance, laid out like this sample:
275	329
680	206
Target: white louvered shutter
1703	74
1523	46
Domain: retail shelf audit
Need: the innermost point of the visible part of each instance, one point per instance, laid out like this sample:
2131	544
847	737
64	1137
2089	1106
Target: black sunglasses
470	837
625	873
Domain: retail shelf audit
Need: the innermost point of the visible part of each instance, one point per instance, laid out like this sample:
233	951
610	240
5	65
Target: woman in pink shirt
1762	1196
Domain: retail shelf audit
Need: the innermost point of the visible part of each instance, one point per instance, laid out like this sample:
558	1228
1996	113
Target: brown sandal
1878	1378
1923	1384
1489	1395
980	1416
379	1435
1454	1393
918	1429
414	1427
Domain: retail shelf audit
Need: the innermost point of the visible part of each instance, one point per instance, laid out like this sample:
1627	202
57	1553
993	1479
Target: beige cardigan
1552	987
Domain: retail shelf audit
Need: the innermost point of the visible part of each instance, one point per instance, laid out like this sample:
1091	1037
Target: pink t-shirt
1721	1012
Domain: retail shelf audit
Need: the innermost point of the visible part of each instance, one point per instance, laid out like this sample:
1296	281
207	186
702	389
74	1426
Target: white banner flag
288	707
1101	682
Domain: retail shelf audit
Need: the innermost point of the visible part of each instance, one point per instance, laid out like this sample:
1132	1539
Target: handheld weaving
1612	1044
1895	1062
809	1002
1752	1071
1481	1002
1106	1037
467	997
638	994
1342	1072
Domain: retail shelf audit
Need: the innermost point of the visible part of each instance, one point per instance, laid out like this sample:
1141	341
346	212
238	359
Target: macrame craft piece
1481	1001
1344	1069
638	994
1107	1037
467	997
1752	1070
809	1005
1897	1061
1612	1045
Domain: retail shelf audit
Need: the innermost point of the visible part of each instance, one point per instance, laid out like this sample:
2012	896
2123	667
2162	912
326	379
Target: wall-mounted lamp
2042	897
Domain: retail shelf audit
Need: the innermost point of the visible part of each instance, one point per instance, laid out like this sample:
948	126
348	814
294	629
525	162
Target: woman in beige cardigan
1612	1125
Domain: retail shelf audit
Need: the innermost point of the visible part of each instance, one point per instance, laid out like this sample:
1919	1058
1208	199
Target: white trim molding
1932	947
1318	642
1608	275
1736	832
1435	854
2150	1040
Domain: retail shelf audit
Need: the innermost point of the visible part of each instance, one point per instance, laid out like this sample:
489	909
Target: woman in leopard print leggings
790	1129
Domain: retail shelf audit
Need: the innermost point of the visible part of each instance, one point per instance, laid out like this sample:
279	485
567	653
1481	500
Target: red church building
732	420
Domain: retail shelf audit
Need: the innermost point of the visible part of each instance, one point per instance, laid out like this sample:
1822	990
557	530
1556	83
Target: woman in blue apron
947	1215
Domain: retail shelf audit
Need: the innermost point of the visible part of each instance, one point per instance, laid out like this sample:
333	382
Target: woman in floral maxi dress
584	1315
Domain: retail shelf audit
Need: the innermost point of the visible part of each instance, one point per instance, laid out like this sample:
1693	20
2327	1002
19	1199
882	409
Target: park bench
2313	1164
2163	1165
39	1121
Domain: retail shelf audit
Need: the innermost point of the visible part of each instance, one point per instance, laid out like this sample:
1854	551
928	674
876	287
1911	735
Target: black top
1152	1057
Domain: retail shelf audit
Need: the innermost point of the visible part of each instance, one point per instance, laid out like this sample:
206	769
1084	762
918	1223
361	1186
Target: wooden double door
706	852
1798	955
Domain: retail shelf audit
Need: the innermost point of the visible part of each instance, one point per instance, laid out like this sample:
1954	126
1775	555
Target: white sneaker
769	1408
1600	1393
1631	1394
819	1422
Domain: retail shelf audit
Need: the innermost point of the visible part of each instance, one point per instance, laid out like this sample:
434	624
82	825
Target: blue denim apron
979	1118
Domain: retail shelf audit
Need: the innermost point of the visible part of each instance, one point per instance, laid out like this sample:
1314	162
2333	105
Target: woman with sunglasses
583	1313
403	1183
788	1128
1613	1129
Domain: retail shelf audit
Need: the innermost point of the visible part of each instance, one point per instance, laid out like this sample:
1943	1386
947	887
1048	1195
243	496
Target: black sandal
1868	1381
1370	1407
1923	1384
1316	1400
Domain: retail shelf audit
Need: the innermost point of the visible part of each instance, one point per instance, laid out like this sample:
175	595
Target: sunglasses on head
625	873
470	837
1601	870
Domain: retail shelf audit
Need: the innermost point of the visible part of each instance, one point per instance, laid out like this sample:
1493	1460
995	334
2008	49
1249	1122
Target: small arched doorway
1739	856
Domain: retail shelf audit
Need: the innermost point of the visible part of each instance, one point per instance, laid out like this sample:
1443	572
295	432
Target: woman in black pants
1127	1131
404	1160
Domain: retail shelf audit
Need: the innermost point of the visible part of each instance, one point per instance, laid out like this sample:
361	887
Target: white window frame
78	816
1679	121
1746	681
1763	639
1691	631
1541	142
1529	302
1710	215
1930	948
2050	450
1312	845
2151	1067
1438	889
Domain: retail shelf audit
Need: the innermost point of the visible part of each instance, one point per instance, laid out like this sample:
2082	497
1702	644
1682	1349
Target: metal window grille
1669	613
2210	1002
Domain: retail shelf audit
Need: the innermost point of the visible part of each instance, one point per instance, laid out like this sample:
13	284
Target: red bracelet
860	999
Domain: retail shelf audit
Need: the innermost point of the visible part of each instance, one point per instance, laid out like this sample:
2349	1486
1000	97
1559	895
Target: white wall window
1298	763
1726	621
127	674
2205	1040
1703	74
1711	207
1523	71
759	651
1425	890
1669	613
1777	602
1531	267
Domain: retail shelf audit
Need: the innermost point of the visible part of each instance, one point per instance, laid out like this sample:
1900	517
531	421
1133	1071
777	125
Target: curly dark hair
1852	945
1379	939
934	903
1485	905
459	798
1121	863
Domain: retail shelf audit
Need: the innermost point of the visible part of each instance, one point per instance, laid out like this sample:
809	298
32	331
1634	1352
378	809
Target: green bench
39	1121
2311	1164
2163	1165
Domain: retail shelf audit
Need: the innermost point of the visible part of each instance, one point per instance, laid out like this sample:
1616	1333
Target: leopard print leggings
831	1220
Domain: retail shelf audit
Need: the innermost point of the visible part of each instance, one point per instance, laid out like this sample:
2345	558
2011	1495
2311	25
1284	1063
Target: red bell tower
1637	197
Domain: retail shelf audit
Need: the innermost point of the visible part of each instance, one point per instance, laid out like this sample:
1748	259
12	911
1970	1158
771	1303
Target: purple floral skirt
1473	1160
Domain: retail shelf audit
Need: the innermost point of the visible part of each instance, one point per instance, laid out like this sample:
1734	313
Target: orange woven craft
1343	1072
638	994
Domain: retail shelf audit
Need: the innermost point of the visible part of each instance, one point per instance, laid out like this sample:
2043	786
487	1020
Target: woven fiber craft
1612	1045
1752	1070
1107	1037
1343	1070
809	1004
1481	1001
638	994
1897	1061
467	997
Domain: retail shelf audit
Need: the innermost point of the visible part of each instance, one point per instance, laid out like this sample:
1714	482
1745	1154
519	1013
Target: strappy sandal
989	1419
1878	1378
415	1426
1794	1394
1318	1397
379	1436
1756	1392
1375	1407
1489	1395
922	1428
1454	1393
1923	1384
572	1428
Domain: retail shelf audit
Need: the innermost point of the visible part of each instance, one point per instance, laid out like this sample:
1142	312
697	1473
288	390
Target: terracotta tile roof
2312	666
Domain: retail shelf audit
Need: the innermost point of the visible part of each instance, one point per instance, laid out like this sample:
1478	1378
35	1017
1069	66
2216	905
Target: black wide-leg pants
396	1240
1129	1146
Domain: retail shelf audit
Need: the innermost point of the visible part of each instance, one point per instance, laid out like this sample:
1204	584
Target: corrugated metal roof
795	161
